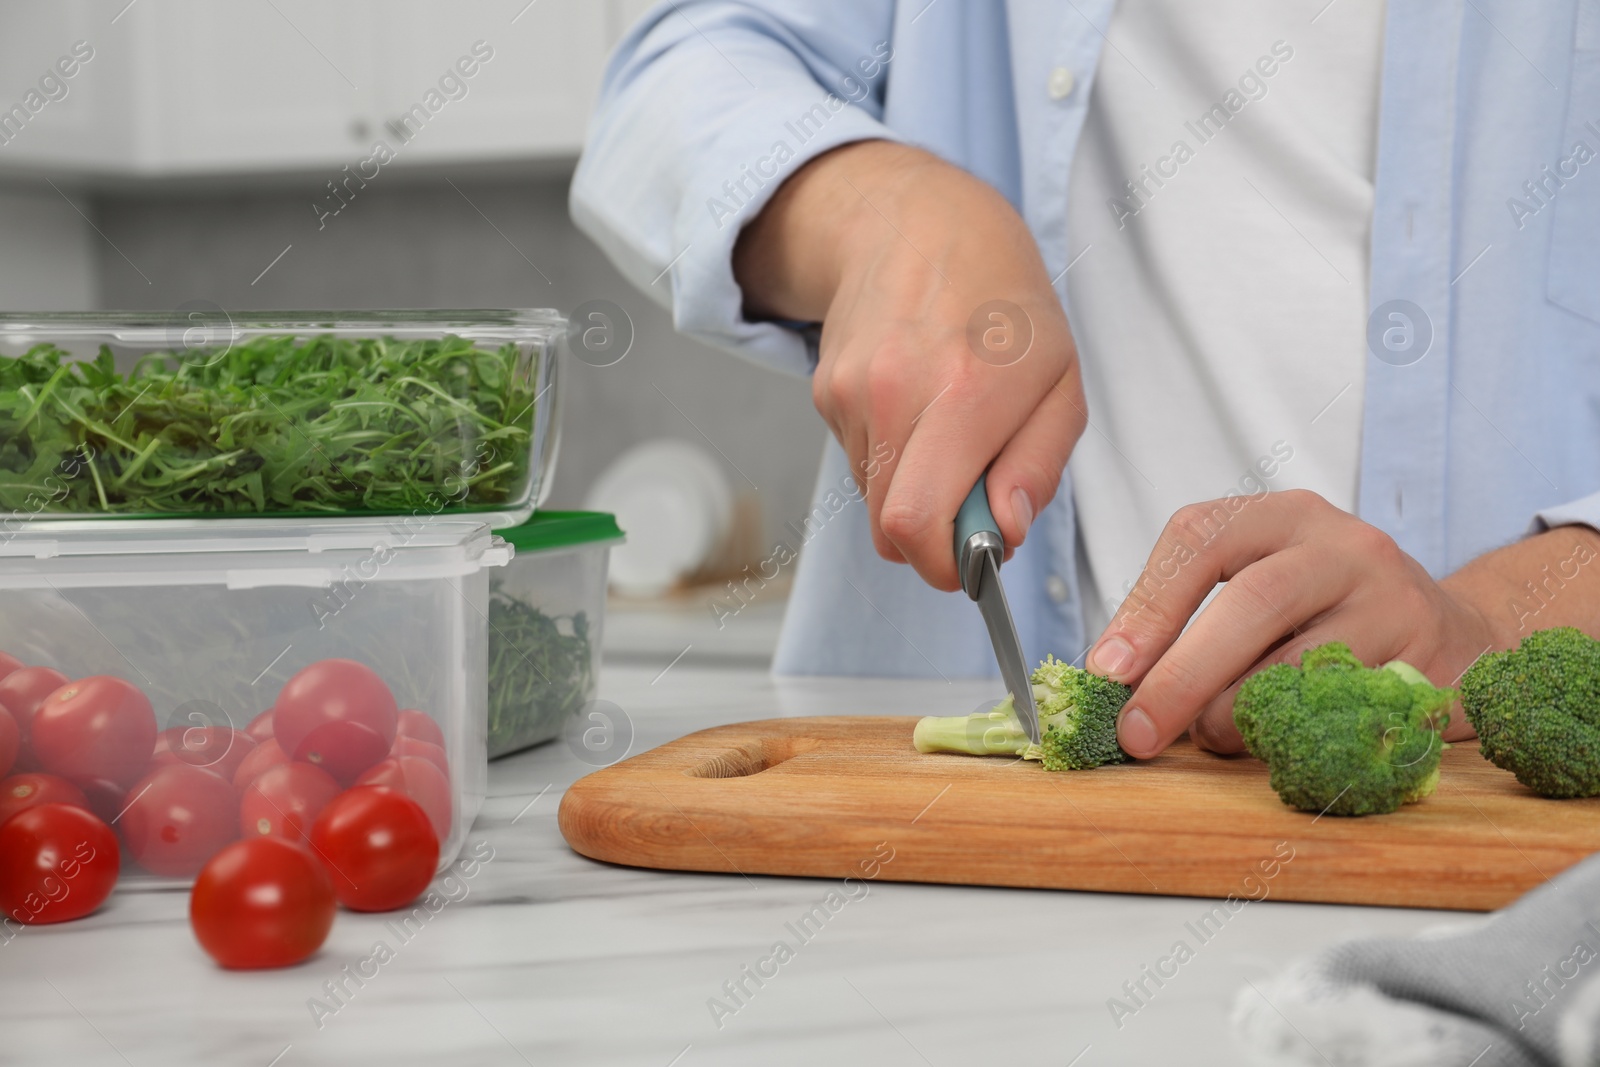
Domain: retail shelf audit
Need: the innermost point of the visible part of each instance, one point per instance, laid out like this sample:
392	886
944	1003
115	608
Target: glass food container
210	621
207	413
546	612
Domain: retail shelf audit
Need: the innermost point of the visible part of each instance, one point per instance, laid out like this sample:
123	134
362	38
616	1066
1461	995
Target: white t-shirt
1220	305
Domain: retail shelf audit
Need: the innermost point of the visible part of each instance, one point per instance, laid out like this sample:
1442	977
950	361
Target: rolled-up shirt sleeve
705	109
1585	511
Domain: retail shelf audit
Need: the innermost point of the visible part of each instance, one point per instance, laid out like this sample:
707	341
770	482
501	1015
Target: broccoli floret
1077	716
1343	738
1537	711
1077	723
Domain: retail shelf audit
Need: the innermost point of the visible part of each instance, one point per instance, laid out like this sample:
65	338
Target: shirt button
1056	589
1061	83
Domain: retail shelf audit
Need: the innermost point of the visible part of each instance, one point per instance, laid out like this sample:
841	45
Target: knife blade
979	549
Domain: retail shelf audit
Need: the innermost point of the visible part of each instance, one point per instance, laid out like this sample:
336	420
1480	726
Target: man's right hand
897	253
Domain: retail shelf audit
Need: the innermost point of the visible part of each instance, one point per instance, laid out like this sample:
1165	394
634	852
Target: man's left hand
1299	572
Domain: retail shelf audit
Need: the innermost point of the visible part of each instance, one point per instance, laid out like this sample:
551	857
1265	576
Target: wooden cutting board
831	797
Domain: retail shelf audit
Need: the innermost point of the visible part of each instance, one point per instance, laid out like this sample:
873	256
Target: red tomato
410	746
57	862
218	749
334	691
266	754
9	664
261	902
421	781
420	724
285	800
23	791
260	727
97	727
10	742
24	689
379	847
106	798
343	749
21	693
177	817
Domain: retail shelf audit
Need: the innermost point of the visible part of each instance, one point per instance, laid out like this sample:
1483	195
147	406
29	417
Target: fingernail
1022	508
1111	657
1137	733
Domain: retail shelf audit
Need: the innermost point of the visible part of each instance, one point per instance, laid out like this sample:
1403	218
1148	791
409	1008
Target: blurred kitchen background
187	161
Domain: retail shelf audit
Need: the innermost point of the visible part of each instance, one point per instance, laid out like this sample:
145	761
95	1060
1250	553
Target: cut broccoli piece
1343	738
1077	722
1077	716
996	732
1537	711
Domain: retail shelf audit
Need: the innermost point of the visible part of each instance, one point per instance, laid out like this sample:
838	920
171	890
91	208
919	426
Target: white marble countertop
548	958
544	957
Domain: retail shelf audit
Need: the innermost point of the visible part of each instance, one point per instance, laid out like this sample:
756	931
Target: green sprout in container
278	425
541	672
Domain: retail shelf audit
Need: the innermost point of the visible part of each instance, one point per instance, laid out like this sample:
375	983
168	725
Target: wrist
869	184
788	258
825	224
1536	583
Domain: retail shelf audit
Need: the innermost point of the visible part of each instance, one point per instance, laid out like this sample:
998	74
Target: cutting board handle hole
744	760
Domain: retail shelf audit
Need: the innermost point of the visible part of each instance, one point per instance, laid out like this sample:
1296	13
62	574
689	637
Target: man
1384	304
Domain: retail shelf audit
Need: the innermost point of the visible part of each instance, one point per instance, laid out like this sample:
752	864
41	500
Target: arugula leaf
541	671
276	425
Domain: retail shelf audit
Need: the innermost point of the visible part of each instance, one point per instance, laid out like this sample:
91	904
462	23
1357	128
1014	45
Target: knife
979	548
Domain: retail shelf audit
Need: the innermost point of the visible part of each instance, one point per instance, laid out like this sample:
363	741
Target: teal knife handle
972	522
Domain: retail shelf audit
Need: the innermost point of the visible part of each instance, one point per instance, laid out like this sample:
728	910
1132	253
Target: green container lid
562	529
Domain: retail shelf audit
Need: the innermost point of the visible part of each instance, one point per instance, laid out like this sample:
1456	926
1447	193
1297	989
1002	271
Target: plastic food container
209	623
209	413
546	611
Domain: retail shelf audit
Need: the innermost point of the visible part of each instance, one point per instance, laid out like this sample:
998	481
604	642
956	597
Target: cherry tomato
379	847
266	754
218	749
96	727
285	800
334	691
177	817
343	749
420	724
9	664
22	689
420	780
261	902
21	693
410	746
23	791
260	727
106	798
57	862
10	742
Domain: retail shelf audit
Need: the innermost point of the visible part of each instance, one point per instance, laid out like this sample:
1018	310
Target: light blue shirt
1482	416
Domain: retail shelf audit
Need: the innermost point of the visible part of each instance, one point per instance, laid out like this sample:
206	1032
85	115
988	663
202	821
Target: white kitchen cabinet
251	83
200	87
535	69
48	115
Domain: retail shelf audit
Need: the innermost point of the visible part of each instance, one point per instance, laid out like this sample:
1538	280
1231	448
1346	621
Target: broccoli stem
1407	672
1440	717
996	732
